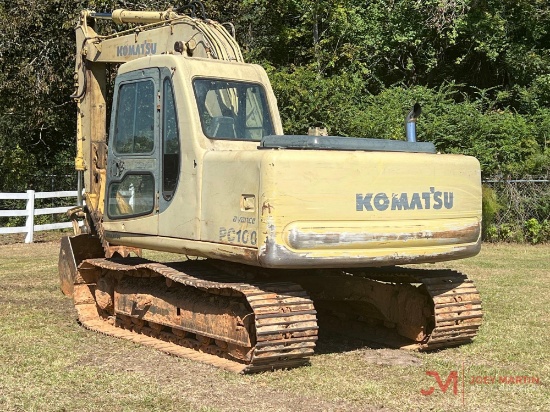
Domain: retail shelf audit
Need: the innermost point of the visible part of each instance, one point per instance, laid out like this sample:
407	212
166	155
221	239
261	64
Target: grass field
49	363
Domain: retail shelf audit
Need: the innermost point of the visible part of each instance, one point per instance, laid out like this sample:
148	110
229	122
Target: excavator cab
169	114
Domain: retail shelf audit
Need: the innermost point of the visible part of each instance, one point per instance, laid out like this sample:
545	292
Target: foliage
531	231
305	99
522	211
484	44
537	232
36	65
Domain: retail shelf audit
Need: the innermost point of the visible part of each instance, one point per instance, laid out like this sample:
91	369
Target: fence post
30	217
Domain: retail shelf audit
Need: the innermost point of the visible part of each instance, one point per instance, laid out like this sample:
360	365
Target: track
457	309
417	309
283	333
405	308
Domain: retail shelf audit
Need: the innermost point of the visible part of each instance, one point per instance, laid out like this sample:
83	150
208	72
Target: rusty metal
197	310
201	310
202	314
415	309
216	316
403	306
450	314
111	250
73	250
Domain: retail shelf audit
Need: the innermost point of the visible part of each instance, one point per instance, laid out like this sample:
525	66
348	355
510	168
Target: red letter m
453	377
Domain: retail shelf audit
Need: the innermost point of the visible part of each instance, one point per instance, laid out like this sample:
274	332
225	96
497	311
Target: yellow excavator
279	234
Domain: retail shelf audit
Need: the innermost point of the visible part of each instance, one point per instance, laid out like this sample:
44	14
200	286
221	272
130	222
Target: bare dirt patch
204	385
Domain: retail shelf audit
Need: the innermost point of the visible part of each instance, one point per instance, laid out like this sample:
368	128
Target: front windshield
232	110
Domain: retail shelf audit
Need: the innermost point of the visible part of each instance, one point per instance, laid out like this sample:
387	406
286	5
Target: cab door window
135	122
134	195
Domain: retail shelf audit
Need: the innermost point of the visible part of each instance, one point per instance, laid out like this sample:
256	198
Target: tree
352	66
36	69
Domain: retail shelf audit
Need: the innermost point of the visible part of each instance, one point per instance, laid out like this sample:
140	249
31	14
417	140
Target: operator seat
223	126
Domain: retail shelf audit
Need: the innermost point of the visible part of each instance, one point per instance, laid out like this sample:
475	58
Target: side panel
229	212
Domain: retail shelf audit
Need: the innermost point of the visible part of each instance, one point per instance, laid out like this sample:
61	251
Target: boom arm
158	33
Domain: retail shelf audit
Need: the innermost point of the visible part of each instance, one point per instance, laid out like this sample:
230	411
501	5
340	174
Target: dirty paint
369	235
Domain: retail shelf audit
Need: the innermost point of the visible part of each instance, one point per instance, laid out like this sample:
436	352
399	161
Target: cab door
133	170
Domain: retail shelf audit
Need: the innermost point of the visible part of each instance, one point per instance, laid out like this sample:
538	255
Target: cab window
232	110
170	143
133	196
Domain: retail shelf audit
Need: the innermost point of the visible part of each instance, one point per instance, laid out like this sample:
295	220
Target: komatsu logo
143	49
433	199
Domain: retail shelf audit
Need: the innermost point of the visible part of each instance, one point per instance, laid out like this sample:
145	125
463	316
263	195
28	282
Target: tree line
479	68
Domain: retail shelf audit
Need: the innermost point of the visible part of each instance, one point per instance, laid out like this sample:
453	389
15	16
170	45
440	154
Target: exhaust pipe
411	122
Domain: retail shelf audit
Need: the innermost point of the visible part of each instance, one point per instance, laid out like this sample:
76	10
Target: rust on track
284	329
456	307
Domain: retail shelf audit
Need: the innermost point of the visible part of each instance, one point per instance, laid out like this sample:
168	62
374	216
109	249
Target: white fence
30	212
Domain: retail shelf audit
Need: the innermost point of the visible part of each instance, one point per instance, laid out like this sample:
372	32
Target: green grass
49	363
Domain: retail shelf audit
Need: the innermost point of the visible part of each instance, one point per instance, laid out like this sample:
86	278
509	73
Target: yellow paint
274	207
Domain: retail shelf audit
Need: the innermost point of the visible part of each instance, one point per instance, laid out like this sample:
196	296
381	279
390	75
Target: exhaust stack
411	122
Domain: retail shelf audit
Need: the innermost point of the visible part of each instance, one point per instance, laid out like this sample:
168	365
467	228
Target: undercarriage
245	319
